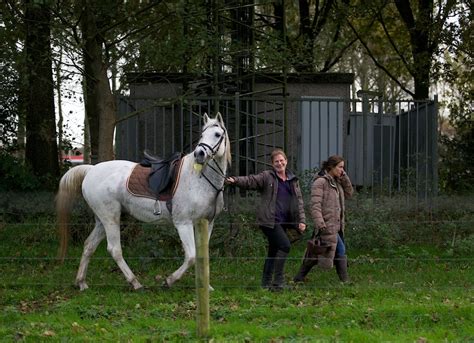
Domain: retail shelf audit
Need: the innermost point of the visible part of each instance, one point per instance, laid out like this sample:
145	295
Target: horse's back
107	179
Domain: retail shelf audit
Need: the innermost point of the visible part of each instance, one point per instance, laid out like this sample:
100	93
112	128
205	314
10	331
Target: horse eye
218	135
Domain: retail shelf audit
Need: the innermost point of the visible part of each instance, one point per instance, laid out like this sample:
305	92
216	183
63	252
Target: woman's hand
302	227
229	180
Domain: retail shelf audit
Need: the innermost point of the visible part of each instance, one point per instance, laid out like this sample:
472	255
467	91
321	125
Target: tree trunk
41	145
422	78
419	27
100	102
57	70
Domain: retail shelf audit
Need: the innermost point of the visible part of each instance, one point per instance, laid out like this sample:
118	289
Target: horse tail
69	189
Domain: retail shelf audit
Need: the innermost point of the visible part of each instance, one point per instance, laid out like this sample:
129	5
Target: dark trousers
278	248
277	239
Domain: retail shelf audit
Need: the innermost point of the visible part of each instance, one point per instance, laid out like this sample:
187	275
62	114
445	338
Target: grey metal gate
399	153
390	146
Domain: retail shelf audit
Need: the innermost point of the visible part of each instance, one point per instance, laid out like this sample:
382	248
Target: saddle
156	178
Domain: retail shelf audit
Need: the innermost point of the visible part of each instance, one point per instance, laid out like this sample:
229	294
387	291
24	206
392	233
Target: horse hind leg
112	230
90	245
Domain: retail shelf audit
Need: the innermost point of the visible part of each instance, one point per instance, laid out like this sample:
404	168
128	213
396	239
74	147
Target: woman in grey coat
330	188
281	208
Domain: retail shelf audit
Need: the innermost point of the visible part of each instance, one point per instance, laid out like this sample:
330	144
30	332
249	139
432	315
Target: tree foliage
457	151
404	36
9	83
402	46
10	67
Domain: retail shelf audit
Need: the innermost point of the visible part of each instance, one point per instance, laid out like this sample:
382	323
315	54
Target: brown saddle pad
137	184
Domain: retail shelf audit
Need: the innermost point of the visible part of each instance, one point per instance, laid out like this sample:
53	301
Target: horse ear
219	118
206	118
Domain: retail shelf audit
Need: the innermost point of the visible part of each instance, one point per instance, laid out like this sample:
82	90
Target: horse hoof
165	285
136	285
82	286
164	282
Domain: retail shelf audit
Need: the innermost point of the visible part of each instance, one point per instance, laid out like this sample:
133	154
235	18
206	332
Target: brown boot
306	266
341	268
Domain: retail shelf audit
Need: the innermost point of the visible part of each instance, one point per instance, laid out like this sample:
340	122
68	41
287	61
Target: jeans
340	247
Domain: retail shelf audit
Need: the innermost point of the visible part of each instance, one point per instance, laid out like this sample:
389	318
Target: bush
392	222
464	246
16	175
386	225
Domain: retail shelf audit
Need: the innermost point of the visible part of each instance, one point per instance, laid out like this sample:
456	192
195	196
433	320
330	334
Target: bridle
216	168
215	148
213	151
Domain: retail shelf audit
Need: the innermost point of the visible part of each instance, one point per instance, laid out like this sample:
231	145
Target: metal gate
390	146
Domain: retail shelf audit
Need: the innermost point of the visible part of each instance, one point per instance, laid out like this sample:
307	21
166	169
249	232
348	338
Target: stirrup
157	211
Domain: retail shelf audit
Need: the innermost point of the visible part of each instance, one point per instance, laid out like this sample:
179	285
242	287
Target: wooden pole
201	236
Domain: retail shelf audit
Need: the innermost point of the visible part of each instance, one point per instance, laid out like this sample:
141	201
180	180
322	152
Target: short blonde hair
278	152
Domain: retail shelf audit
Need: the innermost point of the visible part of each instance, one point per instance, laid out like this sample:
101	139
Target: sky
73	113
72	103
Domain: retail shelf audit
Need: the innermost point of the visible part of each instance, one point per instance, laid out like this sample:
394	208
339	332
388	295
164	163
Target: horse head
214	142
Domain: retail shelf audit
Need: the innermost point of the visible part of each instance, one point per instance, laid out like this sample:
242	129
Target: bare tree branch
377	63
15	10
392	43
328	64
134	32
126	18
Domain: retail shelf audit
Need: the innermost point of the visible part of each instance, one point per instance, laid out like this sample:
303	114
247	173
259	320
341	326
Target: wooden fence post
201	236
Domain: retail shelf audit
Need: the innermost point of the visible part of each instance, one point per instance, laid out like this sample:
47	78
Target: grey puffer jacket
327	210
266	183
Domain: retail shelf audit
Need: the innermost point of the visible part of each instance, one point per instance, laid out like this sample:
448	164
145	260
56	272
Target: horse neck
188	167
222	163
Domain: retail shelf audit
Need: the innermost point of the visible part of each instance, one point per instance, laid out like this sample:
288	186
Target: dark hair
331	162
277	152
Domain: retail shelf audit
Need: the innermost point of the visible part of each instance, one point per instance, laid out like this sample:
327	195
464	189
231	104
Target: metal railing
390	147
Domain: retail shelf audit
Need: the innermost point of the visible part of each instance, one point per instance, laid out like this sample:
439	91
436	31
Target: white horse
198	195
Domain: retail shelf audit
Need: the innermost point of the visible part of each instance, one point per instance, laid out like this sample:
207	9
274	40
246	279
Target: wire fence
426	271
388	246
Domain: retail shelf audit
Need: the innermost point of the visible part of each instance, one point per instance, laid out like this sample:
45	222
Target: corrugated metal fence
390	147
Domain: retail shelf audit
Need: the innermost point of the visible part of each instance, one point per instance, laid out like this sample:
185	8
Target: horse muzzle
200	156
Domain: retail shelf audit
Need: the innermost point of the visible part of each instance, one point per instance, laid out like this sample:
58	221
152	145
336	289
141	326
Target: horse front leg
186	233
210	227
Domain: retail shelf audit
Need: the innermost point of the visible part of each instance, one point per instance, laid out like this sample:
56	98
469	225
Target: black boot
279	279
341	268
268	272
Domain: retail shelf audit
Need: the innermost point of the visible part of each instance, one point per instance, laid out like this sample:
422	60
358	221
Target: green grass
391	298
412	281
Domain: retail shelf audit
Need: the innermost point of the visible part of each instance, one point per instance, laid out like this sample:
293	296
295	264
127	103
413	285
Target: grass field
411	294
